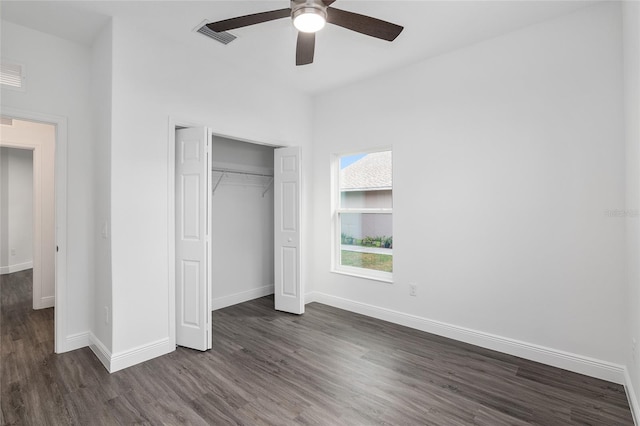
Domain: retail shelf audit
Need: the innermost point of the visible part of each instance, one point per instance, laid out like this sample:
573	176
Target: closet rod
240	172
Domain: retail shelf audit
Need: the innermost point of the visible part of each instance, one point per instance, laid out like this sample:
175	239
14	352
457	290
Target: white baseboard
101	351
310	297
77	341
244	296
131	357
631	396
10	269
573	362
46	302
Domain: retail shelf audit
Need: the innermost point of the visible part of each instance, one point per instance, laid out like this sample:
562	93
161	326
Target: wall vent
223	37
12	75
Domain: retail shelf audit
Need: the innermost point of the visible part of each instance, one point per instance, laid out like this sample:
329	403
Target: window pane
347	160
366	240
366	180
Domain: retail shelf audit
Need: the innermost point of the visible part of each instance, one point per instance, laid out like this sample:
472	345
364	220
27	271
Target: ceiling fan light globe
309	20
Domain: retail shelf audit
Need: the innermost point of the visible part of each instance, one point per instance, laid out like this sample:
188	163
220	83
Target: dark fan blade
305	48
245	21
328	2
363	24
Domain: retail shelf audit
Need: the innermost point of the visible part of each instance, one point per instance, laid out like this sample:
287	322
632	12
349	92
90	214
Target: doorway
25	142
45	136
255	222
190	240
242	253
16	210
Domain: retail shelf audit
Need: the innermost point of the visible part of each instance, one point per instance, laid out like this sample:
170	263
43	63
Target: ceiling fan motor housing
299	7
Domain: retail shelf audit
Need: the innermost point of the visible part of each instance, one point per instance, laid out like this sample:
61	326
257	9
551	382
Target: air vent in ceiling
223	37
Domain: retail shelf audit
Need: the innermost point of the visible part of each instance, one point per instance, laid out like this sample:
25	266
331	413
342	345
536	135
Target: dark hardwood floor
327	367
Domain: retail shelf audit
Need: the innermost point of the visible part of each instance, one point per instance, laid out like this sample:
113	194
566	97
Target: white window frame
336	210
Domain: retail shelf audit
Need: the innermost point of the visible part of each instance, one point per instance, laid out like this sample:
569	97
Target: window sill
385	277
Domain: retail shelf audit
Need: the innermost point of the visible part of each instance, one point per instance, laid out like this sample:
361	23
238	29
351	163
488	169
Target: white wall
149	86
507	154
631	39
242	230
101	296
16	210
230	153
58	84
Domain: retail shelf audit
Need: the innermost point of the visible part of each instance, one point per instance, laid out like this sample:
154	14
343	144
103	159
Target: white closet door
193	212
289	291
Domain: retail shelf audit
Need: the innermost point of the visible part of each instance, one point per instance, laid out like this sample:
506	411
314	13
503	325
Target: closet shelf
224	172
241	172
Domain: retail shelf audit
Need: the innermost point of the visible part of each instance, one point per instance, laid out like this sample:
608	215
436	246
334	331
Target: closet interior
242	221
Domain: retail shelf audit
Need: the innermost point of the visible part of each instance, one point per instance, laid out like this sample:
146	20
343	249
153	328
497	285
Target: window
363	216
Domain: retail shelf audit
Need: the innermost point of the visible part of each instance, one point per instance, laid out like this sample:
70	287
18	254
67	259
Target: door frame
60	171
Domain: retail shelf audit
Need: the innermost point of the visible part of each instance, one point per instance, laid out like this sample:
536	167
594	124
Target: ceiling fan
310	16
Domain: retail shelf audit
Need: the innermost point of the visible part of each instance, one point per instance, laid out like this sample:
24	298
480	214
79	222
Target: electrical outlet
413	290
13	252
106	315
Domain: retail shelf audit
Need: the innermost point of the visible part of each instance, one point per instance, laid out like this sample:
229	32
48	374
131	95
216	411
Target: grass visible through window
379	262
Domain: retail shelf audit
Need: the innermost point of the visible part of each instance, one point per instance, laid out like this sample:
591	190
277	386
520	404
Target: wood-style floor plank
326	367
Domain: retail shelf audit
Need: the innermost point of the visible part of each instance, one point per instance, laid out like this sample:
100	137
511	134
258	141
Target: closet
242	214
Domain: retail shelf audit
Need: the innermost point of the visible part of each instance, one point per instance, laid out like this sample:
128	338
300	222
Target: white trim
47	302
100	350
10	269
78	340
367	274
310	297
243	296
557	358
368	189
142	353
365	210
631	397
60	168
130	357
38	249
171	227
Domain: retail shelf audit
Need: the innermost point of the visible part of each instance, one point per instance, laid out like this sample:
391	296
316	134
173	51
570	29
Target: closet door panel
193	281
289	294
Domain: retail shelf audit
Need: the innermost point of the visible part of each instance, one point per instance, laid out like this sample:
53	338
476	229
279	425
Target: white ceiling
342	56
